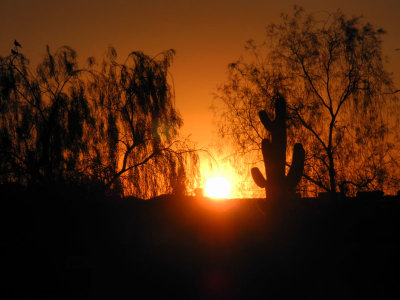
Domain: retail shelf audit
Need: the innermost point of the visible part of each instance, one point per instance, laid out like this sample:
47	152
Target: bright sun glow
217	187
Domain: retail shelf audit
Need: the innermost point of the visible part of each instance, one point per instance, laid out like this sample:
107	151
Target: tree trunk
332	174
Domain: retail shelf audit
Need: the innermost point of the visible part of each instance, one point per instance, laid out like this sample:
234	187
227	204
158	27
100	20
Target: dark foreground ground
69	244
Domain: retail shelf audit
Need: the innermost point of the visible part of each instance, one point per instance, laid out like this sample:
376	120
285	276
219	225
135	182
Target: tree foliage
340	100
113	123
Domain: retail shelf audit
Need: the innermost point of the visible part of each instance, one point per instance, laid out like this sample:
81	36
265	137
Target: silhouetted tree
115	123
43	114
138	125
341	104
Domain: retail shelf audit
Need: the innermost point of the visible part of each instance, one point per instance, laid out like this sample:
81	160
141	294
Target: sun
217	187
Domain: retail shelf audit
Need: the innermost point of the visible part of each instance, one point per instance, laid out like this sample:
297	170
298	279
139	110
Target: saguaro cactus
278	185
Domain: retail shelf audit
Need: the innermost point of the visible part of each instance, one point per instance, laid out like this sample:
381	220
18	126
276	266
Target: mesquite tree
113	123
44	113
139	125
340	99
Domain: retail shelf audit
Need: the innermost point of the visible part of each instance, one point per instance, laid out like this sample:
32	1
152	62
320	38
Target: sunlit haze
218	188
207	36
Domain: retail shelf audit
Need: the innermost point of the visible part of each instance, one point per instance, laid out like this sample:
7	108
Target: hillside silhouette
70	242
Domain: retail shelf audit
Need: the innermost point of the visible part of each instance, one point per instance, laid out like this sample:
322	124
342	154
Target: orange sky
206	34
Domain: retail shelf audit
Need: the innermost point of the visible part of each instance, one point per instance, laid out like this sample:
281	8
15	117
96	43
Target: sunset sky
207	35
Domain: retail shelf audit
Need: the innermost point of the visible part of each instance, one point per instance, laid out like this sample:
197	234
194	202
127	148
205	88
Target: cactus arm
258	178
265	120
296	170
255	172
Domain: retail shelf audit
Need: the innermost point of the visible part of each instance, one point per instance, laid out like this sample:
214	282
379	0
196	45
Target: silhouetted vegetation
340	100
110	123
278	186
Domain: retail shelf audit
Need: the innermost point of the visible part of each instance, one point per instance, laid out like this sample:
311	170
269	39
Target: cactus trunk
278	185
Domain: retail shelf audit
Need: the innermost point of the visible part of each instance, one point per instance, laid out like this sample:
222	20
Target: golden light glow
218	188
235	171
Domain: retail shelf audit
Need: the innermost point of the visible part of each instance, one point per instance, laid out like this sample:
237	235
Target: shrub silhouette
278	185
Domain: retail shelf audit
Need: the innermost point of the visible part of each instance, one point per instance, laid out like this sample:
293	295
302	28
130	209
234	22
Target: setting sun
218	187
